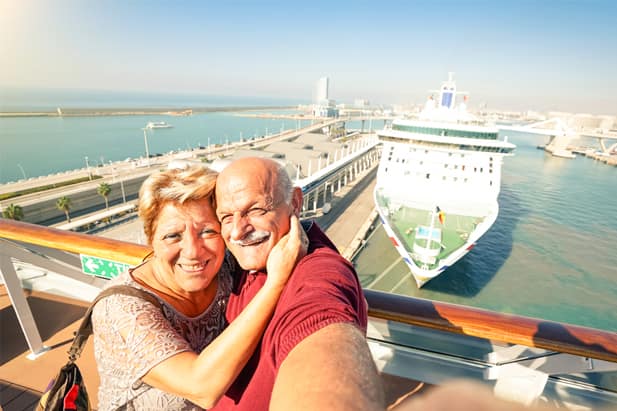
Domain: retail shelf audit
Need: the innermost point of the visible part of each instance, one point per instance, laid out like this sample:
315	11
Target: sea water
34	146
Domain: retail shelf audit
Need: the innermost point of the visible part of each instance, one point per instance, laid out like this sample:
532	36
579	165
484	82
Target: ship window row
446	132
447	165
466	147
443	177
465	180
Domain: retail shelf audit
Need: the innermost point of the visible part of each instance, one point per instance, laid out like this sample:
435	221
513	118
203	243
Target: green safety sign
101	267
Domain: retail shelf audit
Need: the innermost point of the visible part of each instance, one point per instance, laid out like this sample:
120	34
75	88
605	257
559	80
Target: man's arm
332	369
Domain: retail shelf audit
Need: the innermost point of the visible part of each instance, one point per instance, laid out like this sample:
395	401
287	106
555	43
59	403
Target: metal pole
122	188
146	143
88	168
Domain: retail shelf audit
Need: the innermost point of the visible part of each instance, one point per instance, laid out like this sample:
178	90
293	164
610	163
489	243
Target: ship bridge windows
440	131
444	146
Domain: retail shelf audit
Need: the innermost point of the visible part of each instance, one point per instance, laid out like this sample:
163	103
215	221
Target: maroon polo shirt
323	289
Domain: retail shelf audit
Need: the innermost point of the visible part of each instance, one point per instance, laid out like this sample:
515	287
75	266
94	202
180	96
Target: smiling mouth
192	267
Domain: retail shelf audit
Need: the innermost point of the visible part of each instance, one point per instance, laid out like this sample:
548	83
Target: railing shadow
605	380
50	316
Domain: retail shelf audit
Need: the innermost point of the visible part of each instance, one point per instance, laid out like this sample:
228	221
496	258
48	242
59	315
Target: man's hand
290	249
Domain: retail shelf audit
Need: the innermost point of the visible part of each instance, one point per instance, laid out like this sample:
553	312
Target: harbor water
551	253
35	146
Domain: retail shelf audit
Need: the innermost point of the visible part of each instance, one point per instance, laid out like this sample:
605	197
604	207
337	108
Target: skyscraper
321	91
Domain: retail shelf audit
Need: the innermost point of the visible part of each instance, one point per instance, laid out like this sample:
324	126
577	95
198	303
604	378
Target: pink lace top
154	336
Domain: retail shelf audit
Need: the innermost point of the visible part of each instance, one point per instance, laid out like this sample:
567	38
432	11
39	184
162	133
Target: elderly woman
179	357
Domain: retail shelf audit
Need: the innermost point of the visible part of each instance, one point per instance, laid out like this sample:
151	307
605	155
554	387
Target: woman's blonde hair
176	185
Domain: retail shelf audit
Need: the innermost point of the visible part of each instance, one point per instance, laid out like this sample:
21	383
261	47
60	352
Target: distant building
608	122
321	90
584	121
323	106
325	111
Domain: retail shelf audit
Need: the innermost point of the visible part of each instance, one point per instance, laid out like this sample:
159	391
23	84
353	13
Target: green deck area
404	221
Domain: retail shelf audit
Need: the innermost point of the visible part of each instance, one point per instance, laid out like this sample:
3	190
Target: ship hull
459	233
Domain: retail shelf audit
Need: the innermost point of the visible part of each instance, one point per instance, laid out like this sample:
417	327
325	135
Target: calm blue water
551	253
34	146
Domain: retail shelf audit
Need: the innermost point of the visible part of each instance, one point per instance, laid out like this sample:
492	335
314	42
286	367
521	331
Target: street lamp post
114	171
88	168
122	189
146	143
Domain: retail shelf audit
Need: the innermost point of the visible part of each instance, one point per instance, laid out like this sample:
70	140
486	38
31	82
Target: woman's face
188	246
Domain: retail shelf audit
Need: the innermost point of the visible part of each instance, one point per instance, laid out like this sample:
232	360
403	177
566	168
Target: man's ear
296	201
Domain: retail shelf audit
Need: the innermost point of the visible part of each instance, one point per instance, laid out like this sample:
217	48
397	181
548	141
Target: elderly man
313	355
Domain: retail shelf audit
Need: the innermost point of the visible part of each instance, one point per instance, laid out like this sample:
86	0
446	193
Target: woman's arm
204	378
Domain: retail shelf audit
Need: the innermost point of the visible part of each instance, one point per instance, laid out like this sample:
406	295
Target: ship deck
403	220
23	380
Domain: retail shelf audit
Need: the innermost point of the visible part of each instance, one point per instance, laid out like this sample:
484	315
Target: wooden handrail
79	243
458	319
509	328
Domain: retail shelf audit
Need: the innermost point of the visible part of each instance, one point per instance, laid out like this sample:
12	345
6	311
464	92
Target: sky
509	55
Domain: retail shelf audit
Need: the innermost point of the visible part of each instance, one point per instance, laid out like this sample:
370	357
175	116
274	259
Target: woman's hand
290	249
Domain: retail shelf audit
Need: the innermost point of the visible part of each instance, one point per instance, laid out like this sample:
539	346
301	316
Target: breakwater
169	111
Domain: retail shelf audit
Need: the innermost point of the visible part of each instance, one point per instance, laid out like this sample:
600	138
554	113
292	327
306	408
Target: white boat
438	182
158	124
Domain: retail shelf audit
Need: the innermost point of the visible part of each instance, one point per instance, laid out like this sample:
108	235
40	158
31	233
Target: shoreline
168	111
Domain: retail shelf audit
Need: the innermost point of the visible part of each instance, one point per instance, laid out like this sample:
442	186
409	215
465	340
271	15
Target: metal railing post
20	305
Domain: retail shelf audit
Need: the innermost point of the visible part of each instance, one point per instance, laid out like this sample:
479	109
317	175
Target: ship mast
430	230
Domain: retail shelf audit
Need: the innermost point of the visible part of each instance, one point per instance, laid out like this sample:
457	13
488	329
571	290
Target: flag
441	215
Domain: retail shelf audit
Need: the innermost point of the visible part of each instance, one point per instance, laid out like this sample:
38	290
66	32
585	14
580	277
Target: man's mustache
251	238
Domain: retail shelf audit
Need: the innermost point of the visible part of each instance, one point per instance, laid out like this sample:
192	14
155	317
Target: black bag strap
85	328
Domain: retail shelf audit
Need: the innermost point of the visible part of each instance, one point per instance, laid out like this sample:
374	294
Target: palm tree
104	190
14	212
64	204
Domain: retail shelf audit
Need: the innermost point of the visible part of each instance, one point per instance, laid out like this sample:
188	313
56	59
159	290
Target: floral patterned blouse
155	335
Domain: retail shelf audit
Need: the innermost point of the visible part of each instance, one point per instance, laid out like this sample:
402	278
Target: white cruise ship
438	182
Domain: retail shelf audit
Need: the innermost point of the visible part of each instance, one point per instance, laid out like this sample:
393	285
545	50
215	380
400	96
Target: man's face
253	216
